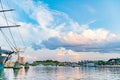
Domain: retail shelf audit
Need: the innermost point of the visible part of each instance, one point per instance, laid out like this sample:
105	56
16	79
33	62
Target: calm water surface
61	73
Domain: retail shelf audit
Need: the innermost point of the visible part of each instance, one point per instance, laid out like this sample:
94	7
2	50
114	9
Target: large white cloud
88	36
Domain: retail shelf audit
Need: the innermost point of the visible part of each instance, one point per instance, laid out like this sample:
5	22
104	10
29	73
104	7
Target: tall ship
7	35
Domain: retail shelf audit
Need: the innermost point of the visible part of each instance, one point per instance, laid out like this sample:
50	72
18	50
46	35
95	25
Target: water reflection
2	76
16	72
26	70
61	73
19	73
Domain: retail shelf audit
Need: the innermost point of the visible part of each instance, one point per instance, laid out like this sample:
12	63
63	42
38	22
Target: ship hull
2	61
1	67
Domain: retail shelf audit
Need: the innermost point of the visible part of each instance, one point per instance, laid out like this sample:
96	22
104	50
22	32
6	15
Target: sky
67	30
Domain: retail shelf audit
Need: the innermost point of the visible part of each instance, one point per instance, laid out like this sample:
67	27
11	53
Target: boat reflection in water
26	70
61	73
18	72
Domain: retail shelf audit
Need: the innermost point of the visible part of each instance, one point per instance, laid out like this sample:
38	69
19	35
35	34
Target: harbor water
60	73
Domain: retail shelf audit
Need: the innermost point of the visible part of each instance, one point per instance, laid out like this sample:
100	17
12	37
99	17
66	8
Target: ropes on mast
22	39
12	44
8	41
19	33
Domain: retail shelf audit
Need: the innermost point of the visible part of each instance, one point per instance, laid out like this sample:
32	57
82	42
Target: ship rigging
9	39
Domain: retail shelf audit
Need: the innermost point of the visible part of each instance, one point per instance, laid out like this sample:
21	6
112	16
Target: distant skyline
68	30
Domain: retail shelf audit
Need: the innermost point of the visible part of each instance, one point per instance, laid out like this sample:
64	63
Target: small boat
17	65
26	65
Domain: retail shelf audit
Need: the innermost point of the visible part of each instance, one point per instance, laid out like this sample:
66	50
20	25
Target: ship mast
7	10
12	44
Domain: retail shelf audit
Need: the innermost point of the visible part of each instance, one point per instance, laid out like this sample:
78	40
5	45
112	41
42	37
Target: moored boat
17	65
26	65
